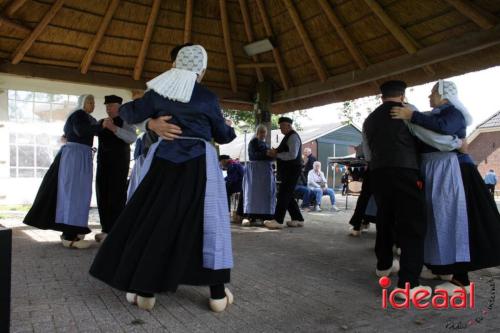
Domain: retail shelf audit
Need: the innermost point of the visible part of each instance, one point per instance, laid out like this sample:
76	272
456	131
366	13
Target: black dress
156	243
484	225
80	127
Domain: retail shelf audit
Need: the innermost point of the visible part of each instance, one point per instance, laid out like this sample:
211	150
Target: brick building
484	145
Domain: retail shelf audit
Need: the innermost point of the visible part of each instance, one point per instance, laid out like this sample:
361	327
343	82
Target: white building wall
23	190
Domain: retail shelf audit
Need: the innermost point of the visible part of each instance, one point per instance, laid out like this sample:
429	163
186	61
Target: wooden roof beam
249	33
103	79
13	7
408	42
227	44
139	64
285	81
353	50
26	44
257	65
13	25
410	45
188	21
479	16
311	51
468	43
89	56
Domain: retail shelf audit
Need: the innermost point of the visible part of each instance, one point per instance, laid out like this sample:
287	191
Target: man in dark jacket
113	159
391	151
309	160
289	161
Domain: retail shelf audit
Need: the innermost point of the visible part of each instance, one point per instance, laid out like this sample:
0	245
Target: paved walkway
312	279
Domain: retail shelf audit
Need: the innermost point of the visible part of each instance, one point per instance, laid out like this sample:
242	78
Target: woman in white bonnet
463	231
175	228
63	200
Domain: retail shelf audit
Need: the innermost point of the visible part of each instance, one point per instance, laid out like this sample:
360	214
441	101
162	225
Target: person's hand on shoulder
403	113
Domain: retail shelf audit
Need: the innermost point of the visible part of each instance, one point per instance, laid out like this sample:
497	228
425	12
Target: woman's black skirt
157	242
484	225
42	214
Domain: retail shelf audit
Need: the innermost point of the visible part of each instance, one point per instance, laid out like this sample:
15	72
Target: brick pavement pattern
312	279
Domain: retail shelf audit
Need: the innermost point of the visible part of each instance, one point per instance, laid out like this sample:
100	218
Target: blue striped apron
74	186
217	249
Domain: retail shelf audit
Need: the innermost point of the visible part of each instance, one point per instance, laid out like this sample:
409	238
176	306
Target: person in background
259	186
63	199
234	179
491	180
113	161
289	161
345	181
316	181
303	191
309	160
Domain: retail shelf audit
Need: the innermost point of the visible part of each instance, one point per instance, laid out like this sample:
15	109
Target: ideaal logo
458	301
440	300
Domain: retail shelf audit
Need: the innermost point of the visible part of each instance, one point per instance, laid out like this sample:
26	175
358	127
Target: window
32	154
29	106
33	147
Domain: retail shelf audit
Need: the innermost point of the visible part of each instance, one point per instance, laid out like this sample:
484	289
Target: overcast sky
478	91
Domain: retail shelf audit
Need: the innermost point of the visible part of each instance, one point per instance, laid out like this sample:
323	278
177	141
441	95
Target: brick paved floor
313	279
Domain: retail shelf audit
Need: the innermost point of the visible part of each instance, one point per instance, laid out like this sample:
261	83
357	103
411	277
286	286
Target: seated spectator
316	180
306	193
234	178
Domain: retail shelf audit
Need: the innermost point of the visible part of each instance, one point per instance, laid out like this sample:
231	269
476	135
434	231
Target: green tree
241	118
355	111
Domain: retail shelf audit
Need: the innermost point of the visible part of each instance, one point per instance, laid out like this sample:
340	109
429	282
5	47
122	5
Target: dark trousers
111	187
230	190
491	188
288	176
401	214
364	197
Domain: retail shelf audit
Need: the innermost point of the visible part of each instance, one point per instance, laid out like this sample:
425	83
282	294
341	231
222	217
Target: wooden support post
227	43
263	106
188	21
5	278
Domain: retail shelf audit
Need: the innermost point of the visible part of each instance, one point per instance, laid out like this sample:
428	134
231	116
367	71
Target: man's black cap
112	99
224	157
392	88
285	120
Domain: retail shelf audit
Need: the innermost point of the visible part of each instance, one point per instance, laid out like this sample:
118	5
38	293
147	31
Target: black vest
283	147
110	145
390	141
